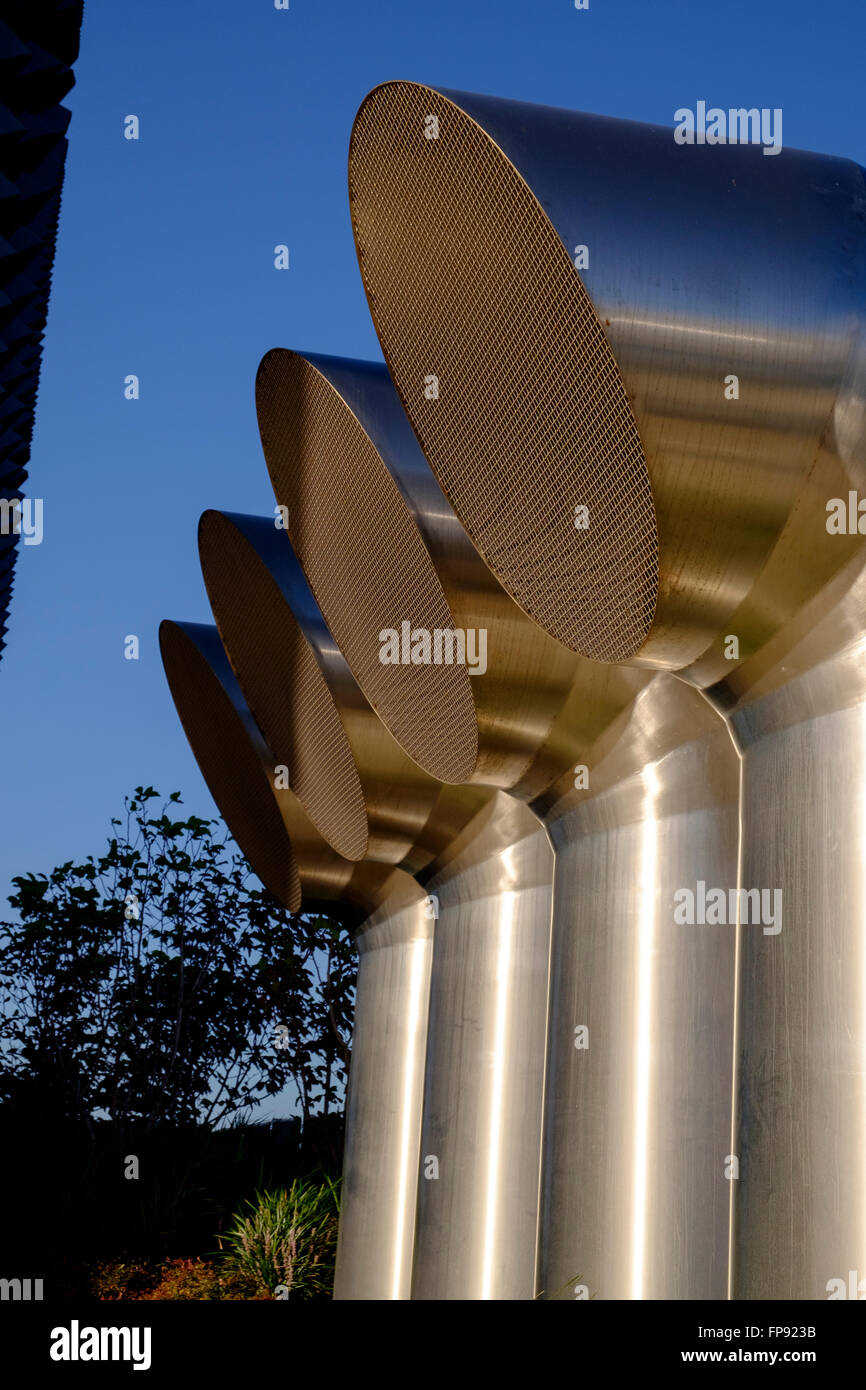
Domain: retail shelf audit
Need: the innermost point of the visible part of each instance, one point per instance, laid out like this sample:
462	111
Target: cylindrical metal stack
375	1250
318	419
295	678
635	1200
484	1089
798	710
583	708
709	391
589	550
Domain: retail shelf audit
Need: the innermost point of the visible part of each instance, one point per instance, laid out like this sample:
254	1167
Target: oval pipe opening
283	683
229	761
317	453
472	290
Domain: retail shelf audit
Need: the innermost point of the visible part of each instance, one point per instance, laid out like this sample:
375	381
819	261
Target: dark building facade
38	45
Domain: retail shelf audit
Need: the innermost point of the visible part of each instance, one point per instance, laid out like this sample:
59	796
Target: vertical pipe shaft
481	1135
383	1108
635	1198
800	1200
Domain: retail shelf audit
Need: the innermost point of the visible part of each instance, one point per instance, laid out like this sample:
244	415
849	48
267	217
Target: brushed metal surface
473	868
537	706
249	567
635	1200
477	1214
576	712
799	711
767	287
775	298
329	479
281	844
383	1105
536	699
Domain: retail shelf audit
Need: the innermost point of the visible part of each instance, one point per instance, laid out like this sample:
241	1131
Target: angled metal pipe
318	416
309	707
608	388
385	909
230	752
381	546
729	370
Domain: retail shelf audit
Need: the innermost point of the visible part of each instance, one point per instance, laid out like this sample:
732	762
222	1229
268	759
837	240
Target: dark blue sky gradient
165	268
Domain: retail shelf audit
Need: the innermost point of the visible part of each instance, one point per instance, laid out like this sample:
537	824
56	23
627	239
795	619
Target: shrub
288	1238
123	1279
203	1279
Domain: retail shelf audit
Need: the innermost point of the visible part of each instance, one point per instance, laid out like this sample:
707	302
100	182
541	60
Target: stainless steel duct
477	1223
381	546
798	709
609	388
552	747
635	1190
393	927
740	348
229	750
296	681
250	571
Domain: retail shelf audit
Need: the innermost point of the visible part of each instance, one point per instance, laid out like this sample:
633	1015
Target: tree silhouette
157	984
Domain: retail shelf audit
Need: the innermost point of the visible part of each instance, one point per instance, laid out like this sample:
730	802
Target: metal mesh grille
468	281
284	686
230	765
365	560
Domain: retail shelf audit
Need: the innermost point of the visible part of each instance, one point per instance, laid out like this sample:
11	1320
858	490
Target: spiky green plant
288	1238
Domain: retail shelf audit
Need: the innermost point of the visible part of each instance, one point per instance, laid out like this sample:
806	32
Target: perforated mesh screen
284	686
230	765
365	560
468	281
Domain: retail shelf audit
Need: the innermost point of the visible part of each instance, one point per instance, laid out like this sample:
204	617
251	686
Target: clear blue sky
165	268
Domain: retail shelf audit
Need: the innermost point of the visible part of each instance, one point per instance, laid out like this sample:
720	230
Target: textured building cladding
38	45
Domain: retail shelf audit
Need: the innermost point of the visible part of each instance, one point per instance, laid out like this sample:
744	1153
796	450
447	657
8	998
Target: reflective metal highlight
742	352
267	618
252	559
539	710
534	697
642	445
557	716
738	482
799	712
477	1221
383	1104
315	445
635	1199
